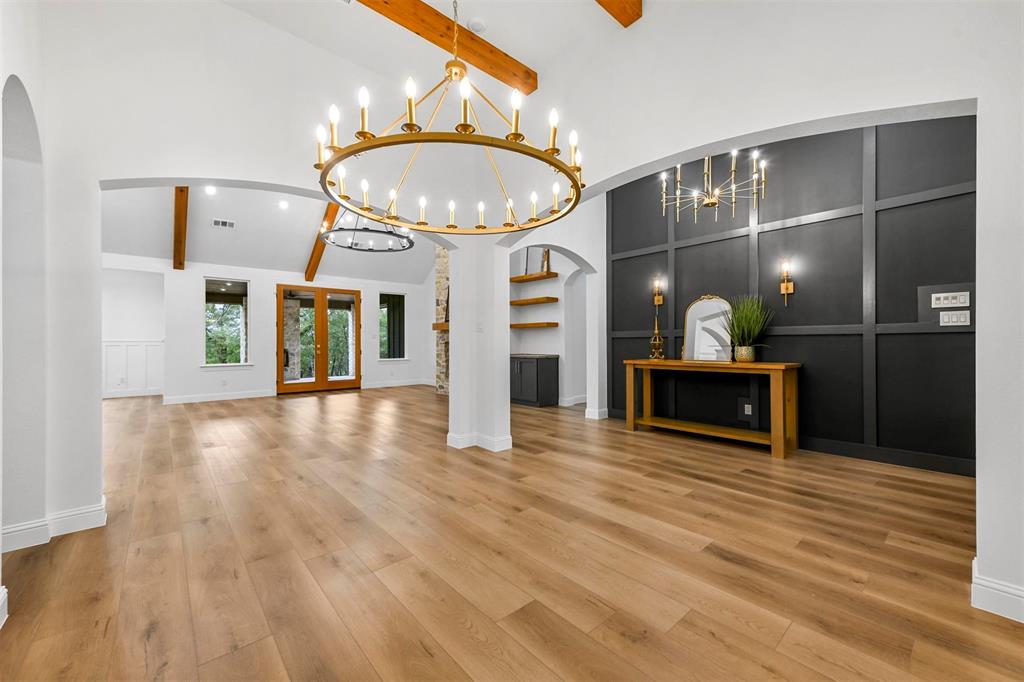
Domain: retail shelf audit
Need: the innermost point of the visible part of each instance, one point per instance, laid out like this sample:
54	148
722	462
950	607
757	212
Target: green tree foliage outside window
339	324
382	319
223	333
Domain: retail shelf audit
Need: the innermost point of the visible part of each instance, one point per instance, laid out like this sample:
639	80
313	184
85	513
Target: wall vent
224	224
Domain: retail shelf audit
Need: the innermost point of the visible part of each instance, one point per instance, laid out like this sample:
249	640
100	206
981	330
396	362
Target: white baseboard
39	531
570	400
212	397
593	413
132	393
82	518
24	534
996	596
3	605
468	440
392	383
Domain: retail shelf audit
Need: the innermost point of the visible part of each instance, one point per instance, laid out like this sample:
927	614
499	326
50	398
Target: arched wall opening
24	514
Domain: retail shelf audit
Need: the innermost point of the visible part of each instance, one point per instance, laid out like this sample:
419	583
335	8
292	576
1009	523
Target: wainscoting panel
132	368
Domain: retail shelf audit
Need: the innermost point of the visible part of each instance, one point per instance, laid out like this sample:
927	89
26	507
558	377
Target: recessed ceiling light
223	289
227	283
476	25
283	205
210	190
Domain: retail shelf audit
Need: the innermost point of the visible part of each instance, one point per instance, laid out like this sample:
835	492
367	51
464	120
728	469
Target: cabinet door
528	380
513	379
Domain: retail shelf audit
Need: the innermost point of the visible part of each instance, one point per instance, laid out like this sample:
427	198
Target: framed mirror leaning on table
706	330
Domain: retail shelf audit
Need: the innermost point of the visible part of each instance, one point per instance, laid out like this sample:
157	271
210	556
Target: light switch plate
955	318
951	299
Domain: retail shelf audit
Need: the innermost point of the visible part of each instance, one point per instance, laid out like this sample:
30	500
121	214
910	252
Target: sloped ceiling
138	222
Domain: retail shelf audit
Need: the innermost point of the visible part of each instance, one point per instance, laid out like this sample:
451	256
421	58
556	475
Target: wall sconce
786	282
657	342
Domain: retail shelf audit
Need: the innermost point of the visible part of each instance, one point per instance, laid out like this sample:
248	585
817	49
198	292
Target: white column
478	389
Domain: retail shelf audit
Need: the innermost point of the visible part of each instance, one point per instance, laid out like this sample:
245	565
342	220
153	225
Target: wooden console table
782	375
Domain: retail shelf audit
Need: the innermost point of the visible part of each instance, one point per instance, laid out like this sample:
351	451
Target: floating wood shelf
532	325
439	326
534	301
532	277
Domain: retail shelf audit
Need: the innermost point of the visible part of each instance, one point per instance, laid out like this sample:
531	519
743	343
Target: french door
317	338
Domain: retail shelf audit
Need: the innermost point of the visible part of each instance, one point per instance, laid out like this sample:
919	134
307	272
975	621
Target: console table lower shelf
783	391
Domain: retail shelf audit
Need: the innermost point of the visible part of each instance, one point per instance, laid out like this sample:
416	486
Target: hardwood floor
334	536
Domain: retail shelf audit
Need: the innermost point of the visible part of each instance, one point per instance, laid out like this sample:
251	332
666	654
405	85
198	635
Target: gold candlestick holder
657	341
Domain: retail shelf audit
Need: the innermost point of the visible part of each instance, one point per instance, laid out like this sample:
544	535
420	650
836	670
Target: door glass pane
299	321
341	359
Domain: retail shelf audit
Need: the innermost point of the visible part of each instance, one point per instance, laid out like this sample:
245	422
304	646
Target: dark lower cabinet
534	380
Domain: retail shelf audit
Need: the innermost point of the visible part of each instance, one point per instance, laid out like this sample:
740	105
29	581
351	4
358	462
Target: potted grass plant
747	322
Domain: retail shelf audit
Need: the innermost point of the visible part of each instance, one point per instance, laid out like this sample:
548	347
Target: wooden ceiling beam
436	27
624	11
330	214
180	226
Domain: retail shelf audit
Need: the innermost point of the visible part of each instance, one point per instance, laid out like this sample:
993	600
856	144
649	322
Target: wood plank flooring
334	536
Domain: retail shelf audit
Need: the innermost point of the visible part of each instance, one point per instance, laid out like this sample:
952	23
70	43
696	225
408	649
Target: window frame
404	335
247	360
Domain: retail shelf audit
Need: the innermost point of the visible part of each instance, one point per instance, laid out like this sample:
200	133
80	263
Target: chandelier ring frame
363	146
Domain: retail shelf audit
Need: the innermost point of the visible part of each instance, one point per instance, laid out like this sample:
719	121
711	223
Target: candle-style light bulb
533	206
735	153
517	104
391	244
664	182
553	122
321	138
579	166
392	200
423	211
410	106
334	115
764	176
480	211
574	140
341	172
785	269
364	109
465	90
365	186
556	190
451	214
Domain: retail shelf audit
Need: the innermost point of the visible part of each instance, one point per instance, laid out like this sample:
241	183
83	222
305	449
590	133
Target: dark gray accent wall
874	220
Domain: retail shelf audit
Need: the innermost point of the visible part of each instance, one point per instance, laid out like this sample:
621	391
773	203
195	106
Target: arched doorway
23	454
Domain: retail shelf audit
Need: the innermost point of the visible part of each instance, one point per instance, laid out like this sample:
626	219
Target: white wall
187	380
133	305
133	333
24	356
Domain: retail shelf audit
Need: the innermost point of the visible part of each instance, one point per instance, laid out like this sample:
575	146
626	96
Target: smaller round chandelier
366	235
728	193
417	131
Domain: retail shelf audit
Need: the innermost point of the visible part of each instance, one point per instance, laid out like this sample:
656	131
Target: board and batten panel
718	268
638	206
922	244
926	393
826	266
921	155
132	368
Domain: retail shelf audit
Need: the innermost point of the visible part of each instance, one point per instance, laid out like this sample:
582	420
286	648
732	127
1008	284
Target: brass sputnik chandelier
467	131
711	195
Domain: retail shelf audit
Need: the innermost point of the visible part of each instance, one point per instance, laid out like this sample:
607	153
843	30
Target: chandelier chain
455	22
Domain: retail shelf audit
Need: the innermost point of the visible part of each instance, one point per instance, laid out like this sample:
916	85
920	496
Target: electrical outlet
748	409
955	318
952	299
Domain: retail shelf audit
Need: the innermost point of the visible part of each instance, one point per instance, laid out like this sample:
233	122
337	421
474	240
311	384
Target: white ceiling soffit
139	222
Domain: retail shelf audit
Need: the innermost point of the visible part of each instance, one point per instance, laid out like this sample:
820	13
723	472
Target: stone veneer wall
291	338
440	305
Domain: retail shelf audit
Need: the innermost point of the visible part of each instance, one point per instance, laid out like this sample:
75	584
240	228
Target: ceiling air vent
224	224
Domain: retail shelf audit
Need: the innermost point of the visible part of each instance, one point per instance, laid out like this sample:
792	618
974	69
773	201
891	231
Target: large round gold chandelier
334	180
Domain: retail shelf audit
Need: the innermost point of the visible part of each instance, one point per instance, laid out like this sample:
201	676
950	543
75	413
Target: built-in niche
873	220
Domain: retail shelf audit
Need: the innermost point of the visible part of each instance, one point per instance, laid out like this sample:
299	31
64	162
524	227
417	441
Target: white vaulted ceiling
138	222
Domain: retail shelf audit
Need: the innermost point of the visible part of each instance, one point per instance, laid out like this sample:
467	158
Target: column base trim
996	596
596	413
467	440
3	605
39	531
